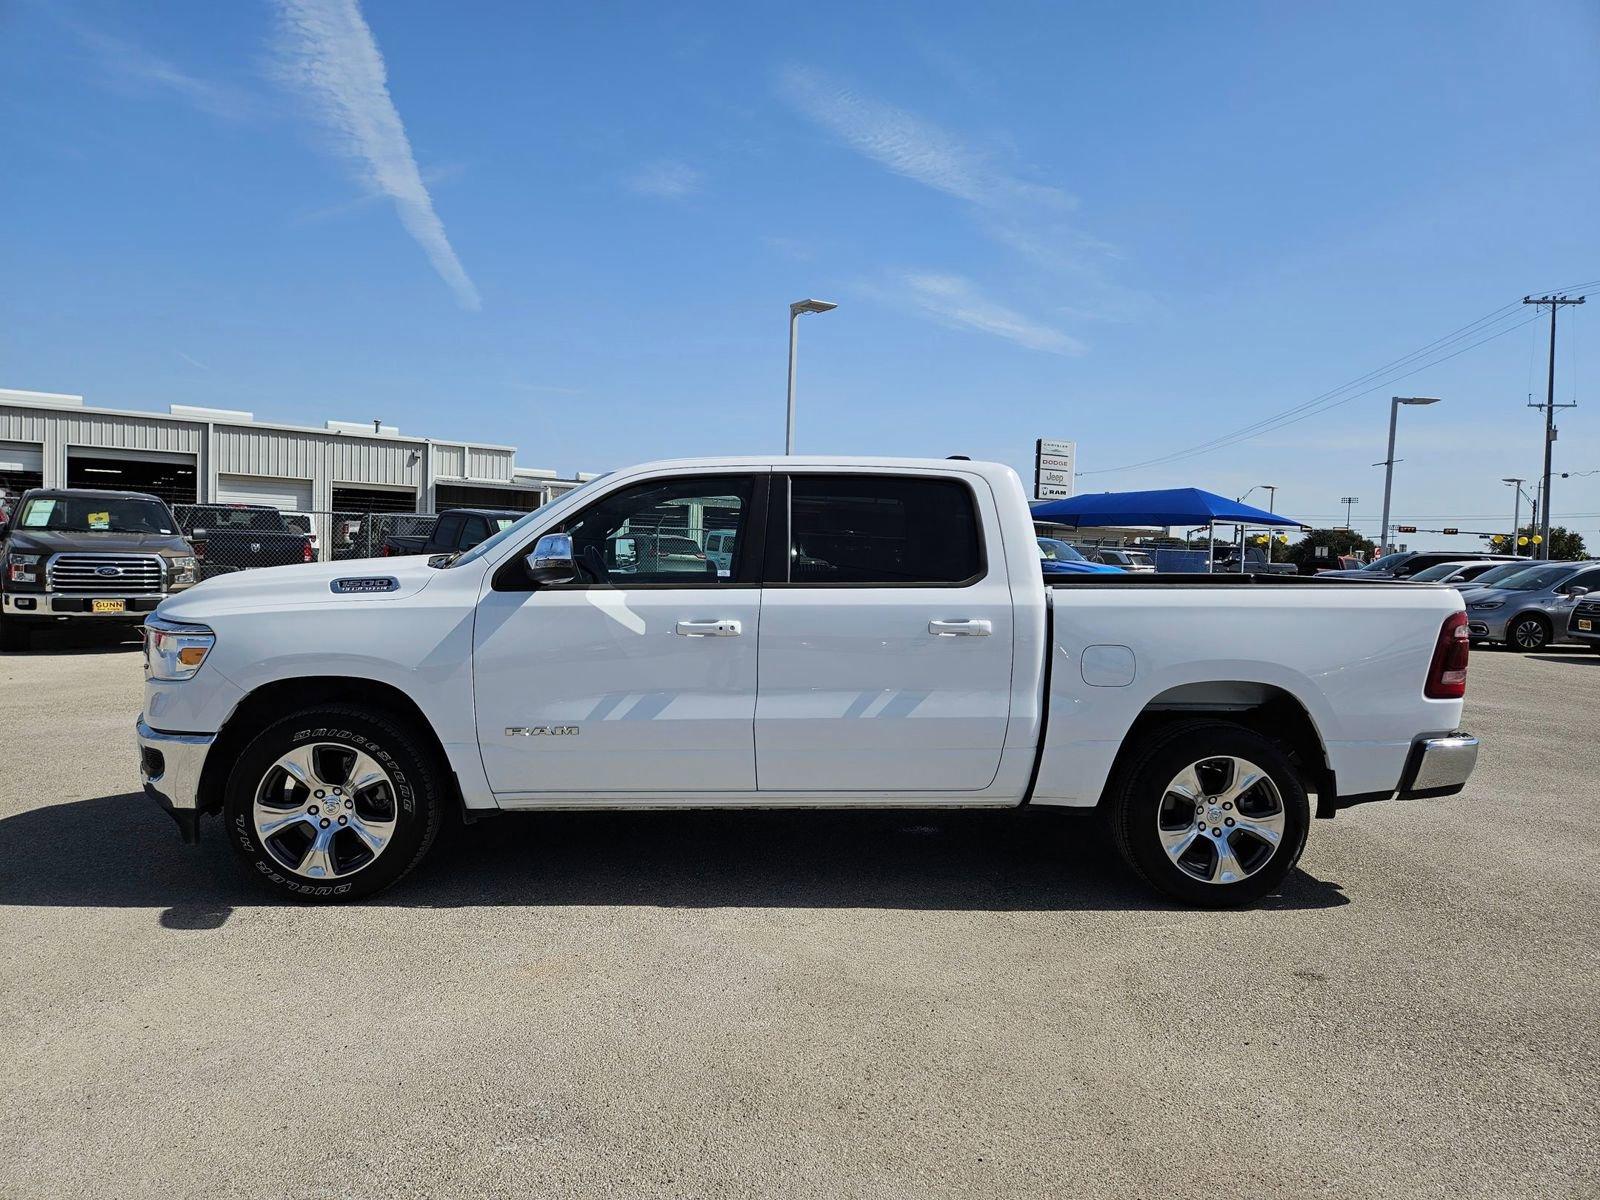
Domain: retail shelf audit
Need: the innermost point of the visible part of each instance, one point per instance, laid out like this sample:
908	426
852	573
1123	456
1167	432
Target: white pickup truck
881	636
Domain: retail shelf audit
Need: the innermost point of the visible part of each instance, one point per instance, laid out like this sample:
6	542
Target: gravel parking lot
796	1004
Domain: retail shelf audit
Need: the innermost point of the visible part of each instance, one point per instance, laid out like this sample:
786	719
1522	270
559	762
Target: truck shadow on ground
1583	658
120	852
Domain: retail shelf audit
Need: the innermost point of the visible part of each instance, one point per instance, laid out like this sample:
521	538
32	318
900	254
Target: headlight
22	568
173	651
1483	604
183	569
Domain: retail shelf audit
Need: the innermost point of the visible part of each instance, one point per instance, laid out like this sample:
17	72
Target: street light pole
796	310
1388	463
1516	508
1272	500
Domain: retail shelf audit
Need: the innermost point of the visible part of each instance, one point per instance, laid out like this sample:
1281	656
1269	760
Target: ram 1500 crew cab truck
882	637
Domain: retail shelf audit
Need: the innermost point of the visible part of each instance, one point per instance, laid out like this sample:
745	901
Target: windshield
1388	562
1437	571
1139	557
516	528
1058	551
1497	575
96	514
1536	579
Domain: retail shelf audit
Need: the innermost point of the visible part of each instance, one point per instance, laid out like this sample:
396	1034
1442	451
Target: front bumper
1489	626
170	766
63	604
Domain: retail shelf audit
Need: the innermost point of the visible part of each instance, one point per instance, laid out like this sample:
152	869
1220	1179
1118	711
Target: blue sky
576	228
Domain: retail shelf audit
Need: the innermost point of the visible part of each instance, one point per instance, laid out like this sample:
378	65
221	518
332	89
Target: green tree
1563	542
1304	553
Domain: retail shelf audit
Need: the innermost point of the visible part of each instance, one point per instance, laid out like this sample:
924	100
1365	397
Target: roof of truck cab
108	493
783	462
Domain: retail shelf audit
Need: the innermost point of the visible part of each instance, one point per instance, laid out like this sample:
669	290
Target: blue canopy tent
1190	507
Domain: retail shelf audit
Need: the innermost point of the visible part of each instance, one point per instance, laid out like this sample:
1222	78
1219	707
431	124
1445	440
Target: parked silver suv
1527	610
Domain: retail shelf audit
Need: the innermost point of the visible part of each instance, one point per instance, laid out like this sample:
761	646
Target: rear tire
1210	813
333	803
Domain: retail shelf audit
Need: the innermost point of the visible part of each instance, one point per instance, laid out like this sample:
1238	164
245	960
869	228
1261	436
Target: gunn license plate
108	606
1585	624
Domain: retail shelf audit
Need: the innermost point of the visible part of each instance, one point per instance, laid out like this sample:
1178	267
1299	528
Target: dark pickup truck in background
239	537
457	529
79	554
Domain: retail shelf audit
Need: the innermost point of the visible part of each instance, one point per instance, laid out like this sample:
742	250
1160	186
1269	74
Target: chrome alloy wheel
1221	819
325	810
1529	634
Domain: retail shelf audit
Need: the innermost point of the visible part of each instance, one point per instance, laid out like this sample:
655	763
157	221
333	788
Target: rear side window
882	529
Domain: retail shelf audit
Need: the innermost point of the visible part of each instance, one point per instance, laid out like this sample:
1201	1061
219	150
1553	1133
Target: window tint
882	529
655	532
448	531
477	530
1585	579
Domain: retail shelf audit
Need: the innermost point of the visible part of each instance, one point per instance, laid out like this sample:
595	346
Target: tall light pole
1516	508
796	309
1348	501
1388	463
1272	501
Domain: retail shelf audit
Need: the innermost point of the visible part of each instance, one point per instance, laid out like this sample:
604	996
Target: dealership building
190	455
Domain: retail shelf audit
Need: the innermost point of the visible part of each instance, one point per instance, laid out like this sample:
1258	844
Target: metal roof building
193	455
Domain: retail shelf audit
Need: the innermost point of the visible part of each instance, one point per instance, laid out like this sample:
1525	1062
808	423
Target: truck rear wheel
333	803
1212	814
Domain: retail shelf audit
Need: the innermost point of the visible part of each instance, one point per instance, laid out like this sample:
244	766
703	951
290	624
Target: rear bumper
47	605
169	767
1438	765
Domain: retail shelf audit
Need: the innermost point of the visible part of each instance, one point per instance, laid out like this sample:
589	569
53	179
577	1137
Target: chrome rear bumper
1439	765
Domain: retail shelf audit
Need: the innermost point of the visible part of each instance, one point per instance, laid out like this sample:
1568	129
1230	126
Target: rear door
886	635
641	677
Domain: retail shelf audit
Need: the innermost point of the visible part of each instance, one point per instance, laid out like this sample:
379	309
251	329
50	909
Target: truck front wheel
333	803
1211	813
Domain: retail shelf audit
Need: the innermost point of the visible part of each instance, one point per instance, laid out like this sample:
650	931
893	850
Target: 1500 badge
541	730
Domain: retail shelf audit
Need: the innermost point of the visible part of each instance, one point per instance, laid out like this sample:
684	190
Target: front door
885	637
641	676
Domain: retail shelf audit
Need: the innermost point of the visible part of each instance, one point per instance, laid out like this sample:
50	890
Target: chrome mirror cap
551	560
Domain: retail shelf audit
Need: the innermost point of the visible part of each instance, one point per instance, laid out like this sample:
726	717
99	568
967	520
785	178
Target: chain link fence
240	537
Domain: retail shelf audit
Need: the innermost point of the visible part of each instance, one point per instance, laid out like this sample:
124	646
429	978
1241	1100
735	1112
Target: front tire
333	803
1211	813
1528	633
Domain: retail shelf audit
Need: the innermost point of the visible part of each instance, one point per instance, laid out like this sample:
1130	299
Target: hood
50	541
296	587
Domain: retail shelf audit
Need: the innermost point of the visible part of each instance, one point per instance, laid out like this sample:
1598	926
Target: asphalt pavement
801	1004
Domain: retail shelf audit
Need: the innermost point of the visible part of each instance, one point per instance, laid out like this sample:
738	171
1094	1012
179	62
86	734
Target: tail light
308	554
385	550
199	545
1447	674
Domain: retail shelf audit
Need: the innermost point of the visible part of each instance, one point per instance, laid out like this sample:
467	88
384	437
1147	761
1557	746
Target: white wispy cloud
329	54
666	181
131	66
431	177
910	146
956	302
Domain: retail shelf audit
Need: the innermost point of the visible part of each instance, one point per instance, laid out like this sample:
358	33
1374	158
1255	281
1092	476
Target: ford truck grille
112	574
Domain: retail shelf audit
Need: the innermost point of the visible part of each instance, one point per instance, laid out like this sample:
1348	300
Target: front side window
882	529
448	531
655	533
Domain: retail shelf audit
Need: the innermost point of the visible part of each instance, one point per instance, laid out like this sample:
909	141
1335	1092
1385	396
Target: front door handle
723	628
972	628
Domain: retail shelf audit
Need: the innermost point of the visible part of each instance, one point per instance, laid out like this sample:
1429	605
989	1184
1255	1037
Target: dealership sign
1053	468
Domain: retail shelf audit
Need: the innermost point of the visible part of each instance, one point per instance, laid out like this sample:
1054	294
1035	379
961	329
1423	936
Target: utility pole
1347	501
1549	406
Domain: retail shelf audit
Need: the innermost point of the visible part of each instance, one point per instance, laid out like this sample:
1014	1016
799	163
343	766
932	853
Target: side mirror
551	560
1577	591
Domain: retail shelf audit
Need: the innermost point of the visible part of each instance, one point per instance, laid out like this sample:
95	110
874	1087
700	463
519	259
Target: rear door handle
723	628
972	628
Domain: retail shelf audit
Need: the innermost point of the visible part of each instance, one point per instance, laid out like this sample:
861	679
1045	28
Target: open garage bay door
21	468
160	473
287	495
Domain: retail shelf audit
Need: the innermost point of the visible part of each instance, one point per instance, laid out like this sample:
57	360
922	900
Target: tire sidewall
1511	633
416	800
1139	800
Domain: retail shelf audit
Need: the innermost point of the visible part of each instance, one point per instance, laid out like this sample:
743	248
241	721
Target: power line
1325	402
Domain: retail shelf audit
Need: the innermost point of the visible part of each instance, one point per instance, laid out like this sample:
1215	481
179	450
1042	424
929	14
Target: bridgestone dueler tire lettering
415	778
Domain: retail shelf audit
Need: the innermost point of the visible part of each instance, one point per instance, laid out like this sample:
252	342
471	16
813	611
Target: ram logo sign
541	730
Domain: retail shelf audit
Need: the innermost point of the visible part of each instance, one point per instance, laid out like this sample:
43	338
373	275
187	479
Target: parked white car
910	656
